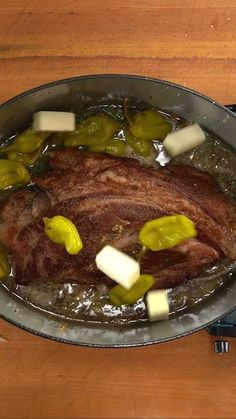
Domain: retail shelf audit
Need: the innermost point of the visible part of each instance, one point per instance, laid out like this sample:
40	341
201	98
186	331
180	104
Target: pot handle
232	107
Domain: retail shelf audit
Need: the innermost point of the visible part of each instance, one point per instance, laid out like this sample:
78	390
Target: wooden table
188	42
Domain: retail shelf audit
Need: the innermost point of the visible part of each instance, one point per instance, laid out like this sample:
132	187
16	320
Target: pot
66	95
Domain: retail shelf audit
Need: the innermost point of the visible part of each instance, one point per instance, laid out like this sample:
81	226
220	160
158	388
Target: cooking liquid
91	303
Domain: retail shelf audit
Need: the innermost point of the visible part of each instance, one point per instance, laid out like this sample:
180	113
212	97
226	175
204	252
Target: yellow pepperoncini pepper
115	147
62	231
119	295
4	265
94	130
141	147
26	159
149	125
12	173
167	232
27	142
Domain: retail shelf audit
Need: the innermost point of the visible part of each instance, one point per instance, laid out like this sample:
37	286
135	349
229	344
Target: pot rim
114	75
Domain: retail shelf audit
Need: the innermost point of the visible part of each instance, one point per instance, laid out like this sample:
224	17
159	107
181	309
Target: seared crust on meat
109	199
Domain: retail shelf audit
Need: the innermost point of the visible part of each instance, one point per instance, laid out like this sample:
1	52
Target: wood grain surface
189	42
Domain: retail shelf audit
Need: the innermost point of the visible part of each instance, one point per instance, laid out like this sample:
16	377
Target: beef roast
109	199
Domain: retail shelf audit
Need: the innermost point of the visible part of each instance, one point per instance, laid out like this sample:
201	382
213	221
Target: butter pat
118	266
157	305
54	121
183	140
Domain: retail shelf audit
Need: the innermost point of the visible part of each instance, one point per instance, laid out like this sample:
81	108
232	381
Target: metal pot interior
70	94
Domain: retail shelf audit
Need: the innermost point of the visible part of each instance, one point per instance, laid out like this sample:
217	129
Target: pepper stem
126	113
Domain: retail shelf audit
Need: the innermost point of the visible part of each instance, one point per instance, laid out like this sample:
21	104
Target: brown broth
87	303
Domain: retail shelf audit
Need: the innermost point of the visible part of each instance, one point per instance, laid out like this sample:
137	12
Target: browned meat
109	199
